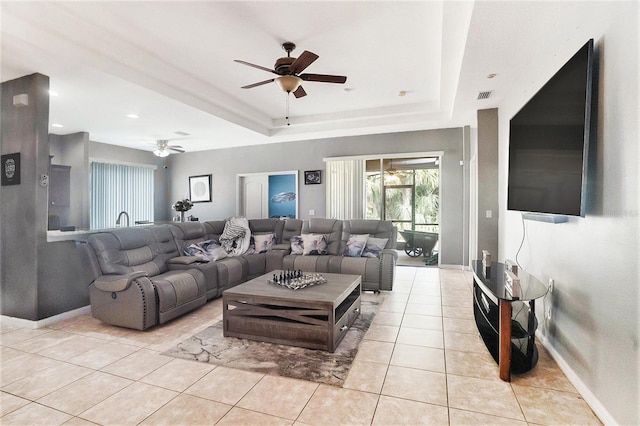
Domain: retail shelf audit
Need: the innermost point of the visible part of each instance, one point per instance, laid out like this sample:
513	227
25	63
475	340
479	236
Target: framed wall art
312	177
200	189
283	195
11	169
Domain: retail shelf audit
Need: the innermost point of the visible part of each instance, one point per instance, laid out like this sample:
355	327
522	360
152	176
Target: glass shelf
494	282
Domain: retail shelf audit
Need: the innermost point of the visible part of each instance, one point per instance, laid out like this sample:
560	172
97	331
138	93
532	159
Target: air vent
182	133
484	95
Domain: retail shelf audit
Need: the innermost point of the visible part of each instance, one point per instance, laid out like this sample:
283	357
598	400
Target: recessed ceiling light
53	93
492	75
402	93
56	125
132	115
349	89
181	133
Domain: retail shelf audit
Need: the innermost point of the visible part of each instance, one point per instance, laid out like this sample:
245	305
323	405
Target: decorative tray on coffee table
296	280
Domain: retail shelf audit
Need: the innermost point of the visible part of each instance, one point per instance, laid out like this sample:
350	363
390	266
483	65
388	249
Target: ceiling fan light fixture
161	152
289	83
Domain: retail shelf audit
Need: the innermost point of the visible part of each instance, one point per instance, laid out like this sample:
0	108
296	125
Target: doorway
267	195
406	191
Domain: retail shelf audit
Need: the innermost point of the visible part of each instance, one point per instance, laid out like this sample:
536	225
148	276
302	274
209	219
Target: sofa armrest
113	283
388	252
184	260
388	258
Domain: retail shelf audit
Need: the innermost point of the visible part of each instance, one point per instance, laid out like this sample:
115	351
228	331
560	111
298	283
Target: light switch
21	100
312	212
489	214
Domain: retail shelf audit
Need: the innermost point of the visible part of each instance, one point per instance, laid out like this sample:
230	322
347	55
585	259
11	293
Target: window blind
117	187
345	189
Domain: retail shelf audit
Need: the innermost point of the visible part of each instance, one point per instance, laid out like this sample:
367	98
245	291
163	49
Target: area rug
211	346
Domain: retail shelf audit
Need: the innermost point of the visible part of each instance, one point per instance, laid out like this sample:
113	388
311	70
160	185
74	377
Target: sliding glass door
405	191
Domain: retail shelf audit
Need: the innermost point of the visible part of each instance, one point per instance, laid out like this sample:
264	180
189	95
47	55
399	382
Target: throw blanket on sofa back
236	236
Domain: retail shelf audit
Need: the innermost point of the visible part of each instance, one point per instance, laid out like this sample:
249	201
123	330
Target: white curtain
345	189
116	188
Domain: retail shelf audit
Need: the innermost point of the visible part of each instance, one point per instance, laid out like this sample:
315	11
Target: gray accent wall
24	206
72	150
487	182
594	331
226	164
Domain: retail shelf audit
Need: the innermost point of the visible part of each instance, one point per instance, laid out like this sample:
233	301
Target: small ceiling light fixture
491	75
161	152
289	83
402	93
57	125
133	115
164	148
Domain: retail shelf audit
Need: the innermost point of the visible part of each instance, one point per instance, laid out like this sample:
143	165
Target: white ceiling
172	64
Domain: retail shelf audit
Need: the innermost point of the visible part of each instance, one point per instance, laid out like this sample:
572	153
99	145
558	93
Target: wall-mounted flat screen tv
549	142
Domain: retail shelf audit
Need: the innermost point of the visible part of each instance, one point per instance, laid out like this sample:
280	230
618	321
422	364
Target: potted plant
182	206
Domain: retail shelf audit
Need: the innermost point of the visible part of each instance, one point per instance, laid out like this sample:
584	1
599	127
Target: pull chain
287	112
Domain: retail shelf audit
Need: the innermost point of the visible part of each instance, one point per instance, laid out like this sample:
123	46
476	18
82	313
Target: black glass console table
507	324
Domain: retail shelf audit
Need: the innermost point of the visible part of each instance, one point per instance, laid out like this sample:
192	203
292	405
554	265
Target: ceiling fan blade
302	62
258	84
324	78
176	149
255	66
299	92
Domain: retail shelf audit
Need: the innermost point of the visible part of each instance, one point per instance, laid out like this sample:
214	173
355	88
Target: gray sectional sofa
141	276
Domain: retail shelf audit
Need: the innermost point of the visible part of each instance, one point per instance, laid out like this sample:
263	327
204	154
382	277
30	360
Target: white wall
595	326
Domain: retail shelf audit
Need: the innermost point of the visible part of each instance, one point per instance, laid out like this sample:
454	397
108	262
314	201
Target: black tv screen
549	141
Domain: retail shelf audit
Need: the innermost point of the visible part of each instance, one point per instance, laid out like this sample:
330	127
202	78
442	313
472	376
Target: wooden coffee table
315	317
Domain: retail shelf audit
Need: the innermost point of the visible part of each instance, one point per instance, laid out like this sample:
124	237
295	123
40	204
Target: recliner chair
133	286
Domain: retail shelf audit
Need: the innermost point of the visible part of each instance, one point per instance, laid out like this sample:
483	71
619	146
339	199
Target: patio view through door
406	191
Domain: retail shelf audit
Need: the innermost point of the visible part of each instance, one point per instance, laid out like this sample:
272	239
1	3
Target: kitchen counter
83	234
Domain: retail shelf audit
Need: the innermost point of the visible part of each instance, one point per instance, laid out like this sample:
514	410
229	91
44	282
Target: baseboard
458	267
597	407
19	322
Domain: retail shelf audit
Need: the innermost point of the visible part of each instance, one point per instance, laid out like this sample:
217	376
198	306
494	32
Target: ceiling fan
163	148
288	69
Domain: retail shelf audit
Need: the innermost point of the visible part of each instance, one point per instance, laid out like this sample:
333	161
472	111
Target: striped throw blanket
236	236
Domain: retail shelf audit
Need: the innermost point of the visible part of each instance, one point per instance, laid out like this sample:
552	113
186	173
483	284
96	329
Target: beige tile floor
421	362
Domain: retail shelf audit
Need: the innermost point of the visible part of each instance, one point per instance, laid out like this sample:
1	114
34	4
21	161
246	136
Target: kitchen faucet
120	216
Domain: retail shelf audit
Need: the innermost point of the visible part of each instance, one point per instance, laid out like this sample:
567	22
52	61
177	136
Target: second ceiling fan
289	71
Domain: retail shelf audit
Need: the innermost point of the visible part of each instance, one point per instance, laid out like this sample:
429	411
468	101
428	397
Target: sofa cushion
314	244
263	242
355	245
127	250
308	263
178	287
375	228
331	228
374	246
266	226
292	228
207	251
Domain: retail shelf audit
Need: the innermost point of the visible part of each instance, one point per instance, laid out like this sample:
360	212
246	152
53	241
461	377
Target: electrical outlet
551	282
549	313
